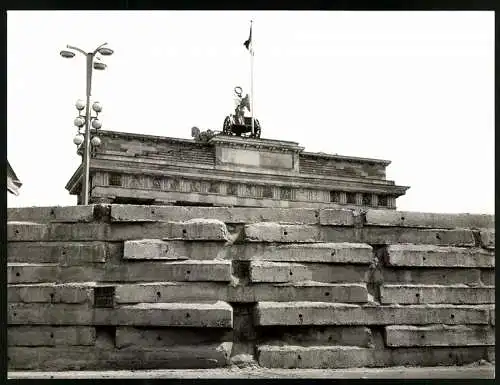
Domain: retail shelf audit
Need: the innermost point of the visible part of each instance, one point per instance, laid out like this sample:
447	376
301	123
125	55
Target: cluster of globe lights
80	122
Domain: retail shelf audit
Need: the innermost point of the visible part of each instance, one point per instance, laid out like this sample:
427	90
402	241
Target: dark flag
248	43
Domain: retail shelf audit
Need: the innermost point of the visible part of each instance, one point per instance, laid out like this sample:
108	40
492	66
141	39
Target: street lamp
87	119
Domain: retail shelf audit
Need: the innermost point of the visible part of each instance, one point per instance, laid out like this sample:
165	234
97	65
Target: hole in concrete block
184	231
52	212
452	316
330	338
104	296
63	252
285	232
327	293
333	253
158	294
51	335
402	218
423	258
152	211
291	273
187	315
17	231
18	274
188	272
438	236
158	338
422	336
417	295
299	357
300	315
15	314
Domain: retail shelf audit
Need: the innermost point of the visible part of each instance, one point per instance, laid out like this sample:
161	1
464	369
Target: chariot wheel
226	128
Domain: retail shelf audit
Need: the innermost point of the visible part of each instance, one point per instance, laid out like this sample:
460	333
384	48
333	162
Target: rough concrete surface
469	372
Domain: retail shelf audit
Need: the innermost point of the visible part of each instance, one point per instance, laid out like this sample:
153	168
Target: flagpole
251	80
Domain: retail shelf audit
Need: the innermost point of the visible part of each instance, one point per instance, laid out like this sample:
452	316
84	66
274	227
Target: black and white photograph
250	194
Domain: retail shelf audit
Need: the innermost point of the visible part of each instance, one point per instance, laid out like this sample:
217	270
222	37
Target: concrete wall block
49	314
323	313
432	256
264	271
352	253
488	239
87	358
50	336
162	337
336	217
490	354
389	235
130	213
439	335
320	357
26	231
171	292
64	253
215	314
149	249
429	276
32	273
274	232
420	294
189	270
323	335
336	357
51	293
428	220
66	214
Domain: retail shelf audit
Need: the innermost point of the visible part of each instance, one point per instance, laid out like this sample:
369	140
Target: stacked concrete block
158	287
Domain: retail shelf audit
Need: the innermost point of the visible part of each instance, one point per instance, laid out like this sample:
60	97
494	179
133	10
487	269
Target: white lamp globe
80	104
79	121
96	141
96	124
97	107
78	139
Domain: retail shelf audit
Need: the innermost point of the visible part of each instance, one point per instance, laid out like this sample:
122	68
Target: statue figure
202	136
240	104
237	124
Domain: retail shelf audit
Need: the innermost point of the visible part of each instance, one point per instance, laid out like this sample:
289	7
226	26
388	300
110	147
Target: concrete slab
420	294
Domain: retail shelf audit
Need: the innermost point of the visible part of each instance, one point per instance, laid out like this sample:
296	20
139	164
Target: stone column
342	197
359	199
391	202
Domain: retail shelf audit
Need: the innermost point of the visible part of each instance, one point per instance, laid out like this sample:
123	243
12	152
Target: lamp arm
76	49
97	49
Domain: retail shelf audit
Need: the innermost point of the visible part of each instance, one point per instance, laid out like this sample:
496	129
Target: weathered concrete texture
50	336
429	220
214	314
74	253
51	292
351	356
274	232
195	229
264	271
389	235
352	253
491	354
323	335
211	291
429	276
26	273
439	335
66	214
217	270
323	313
488	277
488	239
415	294
432	256
129	213
150	249
336	217
77	358
486	371
157	338
170	292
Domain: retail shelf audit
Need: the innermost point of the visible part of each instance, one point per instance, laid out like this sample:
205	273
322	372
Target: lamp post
85	119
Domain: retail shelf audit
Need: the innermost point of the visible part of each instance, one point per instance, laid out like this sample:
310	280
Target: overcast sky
416	88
